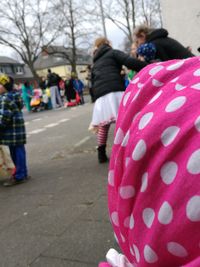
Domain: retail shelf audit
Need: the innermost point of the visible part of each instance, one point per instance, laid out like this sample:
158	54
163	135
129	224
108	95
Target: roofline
60	65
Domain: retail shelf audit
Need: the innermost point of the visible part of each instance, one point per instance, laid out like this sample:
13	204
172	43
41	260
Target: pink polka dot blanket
154	174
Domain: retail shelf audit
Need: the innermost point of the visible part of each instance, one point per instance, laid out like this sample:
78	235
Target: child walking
12	129
154	174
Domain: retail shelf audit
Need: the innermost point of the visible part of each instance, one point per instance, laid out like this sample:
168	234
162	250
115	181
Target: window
2	70
19	70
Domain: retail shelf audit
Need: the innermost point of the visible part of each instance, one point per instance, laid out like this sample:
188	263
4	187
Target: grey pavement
59	217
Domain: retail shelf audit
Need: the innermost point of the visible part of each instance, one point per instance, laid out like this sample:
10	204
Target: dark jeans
82	98
18	155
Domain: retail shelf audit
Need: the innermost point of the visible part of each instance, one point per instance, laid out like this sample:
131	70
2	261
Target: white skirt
106	109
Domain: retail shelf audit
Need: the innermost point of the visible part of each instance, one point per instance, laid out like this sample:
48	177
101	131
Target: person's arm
5	113
129	62
82	85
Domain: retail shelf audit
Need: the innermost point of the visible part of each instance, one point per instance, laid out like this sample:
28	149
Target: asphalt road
59	217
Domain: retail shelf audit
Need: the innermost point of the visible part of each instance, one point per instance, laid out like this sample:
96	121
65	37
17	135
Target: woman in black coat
166	48
108	87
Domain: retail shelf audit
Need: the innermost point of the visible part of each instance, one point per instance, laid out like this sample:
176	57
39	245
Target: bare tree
126	14
122	14
149	12
77	29
25	26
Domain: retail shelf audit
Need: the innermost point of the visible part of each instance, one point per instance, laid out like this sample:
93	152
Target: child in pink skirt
154	175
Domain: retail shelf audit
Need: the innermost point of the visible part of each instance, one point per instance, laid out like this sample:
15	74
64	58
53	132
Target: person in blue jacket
79	86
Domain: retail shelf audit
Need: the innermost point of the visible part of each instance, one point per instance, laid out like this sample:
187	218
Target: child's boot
102	157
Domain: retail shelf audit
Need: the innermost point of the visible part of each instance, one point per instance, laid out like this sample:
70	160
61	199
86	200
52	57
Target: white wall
182	19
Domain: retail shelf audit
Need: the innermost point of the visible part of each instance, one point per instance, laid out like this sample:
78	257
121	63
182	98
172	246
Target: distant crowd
53	92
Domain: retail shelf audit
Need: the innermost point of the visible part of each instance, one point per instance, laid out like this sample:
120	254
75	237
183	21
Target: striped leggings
102	135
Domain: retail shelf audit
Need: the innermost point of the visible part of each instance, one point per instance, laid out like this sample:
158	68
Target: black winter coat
167	48
106	70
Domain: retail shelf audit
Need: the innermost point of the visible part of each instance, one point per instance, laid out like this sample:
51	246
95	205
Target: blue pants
18	155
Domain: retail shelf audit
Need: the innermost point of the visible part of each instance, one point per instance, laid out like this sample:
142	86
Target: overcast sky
114	35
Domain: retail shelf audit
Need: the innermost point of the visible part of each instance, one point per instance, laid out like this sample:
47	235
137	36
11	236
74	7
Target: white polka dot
126	138
135	80
136	115
123	238
119	137
136	252
168	172
165	214
131	222
155	70
115	218
197	124
144	182
136	96
169	135
111	178
140	85
157	83
196	86
176	103
193	209
197	73
131	251
179	87
127	222
177	250
139	150
150	255
174	80
193	165
127	161
156	97
126	97
148	216
127	192
116	238
144	121
175	66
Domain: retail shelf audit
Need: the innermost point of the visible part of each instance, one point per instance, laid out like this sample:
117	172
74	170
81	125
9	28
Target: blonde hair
100	41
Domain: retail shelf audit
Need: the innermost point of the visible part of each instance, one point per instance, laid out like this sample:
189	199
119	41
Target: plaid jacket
12	129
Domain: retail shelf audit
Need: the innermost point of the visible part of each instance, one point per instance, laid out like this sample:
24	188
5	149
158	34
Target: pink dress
154	174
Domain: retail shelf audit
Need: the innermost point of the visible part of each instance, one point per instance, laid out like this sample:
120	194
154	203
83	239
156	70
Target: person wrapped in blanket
154	172
12	128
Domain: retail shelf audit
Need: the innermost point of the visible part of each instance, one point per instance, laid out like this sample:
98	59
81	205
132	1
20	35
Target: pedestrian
108	87
12	128
43	83
52	82
166	47
69	89
79	86
27	94
154	172
89	82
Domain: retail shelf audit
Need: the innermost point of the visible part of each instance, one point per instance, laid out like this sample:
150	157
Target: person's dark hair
26	83
142	29
49	70
198	49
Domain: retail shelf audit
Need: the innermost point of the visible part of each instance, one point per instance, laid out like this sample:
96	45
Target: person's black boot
102	157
